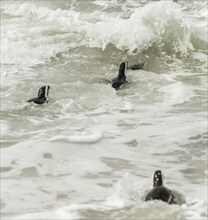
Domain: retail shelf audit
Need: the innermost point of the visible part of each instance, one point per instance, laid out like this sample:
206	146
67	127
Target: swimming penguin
159	192
121	78
42	98
138	66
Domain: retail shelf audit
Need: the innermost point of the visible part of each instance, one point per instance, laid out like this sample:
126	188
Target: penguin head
157	178
122	69
43	92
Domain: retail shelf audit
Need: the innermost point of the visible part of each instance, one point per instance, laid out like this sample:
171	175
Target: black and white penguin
160	192
42	98
121	78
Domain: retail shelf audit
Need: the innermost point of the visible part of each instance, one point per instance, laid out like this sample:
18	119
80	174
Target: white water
91	151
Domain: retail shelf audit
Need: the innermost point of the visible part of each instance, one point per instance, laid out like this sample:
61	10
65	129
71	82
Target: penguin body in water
159	191
42	97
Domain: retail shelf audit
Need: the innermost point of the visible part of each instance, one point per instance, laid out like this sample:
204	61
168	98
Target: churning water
91	151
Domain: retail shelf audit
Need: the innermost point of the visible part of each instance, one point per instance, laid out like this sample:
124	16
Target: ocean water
91	151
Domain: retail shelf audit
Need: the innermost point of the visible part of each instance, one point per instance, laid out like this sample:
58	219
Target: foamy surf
153	24
128	194
90	152
92	137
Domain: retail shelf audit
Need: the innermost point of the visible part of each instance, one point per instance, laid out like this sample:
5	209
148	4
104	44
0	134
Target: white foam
195	204
34	46
200	30
61	29
145	26
4	127
61	213
91	137
176	93
98	134
69	105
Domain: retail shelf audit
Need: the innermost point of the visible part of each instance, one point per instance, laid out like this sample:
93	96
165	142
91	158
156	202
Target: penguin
42	98
139	66
160	192
121	78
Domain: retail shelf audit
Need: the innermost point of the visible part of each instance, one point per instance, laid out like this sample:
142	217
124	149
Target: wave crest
157	25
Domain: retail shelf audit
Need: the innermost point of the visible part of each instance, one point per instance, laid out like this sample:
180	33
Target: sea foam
158	24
